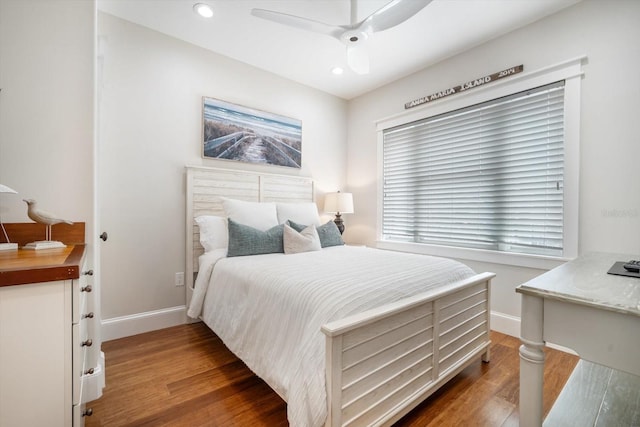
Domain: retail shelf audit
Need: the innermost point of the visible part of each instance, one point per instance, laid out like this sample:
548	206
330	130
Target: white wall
149	128
150	109
46	107
608	33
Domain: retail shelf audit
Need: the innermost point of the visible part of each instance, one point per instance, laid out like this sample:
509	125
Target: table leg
531	361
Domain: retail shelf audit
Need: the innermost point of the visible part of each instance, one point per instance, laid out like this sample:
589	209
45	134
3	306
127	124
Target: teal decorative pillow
328	233
245	240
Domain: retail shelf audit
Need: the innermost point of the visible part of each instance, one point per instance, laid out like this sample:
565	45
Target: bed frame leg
486	356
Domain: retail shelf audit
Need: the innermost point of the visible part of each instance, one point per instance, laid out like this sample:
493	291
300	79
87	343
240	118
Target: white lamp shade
338	202
5	189
8	246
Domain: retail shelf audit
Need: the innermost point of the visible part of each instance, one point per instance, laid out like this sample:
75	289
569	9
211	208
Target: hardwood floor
185	376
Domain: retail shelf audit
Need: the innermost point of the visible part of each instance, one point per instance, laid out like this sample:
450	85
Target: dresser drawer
77	416
80	412
82	343
35	351
82	291
78	357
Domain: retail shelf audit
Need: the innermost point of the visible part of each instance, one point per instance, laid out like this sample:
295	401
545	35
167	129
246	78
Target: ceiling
442	29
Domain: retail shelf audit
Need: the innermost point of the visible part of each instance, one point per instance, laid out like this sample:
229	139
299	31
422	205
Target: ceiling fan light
358	58
203	10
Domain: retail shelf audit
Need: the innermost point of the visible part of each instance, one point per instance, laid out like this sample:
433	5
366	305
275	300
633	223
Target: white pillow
305	241
254	214
301	213
214	233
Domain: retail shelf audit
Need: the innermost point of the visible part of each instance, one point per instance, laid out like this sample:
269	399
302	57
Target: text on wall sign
465	86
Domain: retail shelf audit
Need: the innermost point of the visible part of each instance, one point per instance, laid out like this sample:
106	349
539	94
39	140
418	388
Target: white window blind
489	176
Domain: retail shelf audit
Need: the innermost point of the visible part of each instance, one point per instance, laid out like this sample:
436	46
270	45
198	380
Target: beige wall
150	109
608	33
150	88
46	107
47	104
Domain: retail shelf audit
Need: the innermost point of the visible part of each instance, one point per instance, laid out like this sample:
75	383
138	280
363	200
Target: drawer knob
89	371
87	273
87	288
88	315
87	343
87	412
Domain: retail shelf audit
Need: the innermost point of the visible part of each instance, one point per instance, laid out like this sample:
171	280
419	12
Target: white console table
579	306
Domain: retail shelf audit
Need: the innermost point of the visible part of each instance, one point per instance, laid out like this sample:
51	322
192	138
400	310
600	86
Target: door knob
104	236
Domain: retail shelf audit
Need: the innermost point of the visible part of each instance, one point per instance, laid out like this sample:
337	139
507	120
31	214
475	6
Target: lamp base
339	222
8	246
44	244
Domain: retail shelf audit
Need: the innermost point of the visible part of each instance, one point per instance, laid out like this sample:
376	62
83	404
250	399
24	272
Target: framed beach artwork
234	132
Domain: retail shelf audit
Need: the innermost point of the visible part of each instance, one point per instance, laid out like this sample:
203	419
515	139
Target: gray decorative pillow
245	240
328	233
306	240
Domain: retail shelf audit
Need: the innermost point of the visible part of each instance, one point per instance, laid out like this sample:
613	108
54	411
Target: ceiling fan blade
358	58
392	14
298	22
354	35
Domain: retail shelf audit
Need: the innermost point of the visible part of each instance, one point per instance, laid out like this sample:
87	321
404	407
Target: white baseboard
119	327
505	324
124	326
510	325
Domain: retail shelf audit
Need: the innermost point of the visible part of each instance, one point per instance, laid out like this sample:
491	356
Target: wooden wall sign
465	86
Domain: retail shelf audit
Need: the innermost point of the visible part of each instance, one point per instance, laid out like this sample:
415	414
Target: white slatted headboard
205	187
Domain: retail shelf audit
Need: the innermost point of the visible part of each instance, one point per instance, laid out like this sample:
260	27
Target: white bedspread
268	309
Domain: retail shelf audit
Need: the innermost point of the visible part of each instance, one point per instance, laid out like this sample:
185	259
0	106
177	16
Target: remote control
632	266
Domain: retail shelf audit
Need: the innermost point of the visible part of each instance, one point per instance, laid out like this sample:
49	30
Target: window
488	176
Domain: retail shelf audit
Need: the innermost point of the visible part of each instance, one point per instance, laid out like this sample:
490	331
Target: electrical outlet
180	279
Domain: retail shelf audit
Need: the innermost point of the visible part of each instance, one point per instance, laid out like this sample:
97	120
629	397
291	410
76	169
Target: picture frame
238	133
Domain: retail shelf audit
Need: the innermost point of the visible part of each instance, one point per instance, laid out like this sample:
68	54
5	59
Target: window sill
494	257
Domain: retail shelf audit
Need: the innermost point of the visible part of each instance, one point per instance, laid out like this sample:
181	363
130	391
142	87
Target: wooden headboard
205	187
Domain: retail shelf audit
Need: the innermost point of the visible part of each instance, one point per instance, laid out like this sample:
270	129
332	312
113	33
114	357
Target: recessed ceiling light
337	71
203	10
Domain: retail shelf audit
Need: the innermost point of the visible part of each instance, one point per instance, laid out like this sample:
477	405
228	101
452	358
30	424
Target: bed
355	338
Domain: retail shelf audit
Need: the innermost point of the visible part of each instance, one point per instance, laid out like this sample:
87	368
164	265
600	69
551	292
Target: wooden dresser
45	332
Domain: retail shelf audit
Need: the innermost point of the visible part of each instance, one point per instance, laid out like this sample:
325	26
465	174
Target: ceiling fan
354	36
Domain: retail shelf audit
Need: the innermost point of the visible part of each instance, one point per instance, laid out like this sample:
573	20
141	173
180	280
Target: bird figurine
43	217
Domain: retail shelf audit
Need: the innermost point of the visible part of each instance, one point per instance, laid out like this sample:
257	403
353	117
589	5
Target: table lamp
8	246
338	203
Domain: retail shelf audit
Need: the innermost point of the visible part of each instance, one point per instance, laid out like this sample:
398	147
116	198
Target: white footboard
382	363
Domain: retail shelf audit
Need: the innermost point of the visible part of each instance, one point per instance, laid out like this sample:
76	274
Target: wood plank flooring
185	376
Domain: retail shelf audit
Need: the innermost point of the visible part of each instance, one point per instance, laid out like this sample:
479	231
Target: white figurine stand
8	247
44	244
